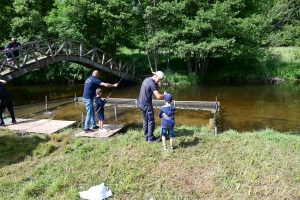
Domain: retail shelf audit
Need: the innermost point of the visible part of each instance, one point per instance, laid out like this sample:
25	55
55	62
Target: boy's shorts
170	132
101	116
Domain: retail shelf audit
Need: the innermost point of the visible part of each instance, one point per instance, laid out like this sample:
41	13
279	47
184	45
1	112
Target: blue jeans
170	131
89	106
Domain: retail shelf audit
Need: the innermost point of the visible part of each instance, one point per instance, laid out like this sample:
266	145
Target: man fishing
89	93
145	104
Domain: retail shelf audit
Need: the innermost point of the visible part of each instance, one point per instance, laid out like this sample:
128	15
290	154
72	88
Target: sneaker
14	122
171	147
164	147
95	127
87	130
102	130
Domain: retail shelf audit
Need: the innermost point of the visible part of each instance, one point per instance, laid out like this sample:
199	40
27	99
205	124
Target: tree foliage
228	36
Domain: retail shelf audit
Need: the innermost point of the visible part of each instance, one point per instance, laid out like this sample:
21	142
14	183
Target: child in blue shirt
100	109
166	113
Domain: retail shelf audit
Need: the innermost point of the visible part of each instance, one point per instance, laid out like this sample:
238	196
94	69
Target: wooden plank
46	126
112	130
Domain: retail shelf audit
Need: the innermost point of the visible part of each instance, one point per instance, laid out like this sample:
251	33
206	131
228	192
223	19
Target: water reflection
247	107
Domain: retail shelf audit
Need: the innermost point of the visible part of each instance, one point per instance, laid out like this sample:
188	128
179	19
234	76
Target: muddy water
244	108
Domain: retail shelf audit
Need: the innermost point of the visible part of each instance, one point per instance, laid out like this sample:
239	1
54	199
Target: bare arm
158	95
3	81
109	85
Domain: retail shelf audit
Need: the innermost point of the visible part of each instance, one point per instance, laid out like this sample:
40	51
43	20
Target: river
244	107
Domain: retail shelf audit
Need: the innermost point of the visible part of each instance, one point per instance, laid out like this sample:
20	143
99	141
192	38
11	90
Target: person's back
168	110
166	113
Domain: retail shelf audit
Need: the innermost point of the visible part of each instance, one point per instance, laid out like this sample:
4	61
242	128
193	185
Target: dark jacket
100	104
5	96
170	111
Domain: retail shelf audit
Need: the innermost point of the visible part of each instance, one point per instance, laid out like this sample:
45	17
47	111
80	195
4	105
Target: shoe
164	147
14	122
156	140
2	124
102	130
95	127
171	147
87	130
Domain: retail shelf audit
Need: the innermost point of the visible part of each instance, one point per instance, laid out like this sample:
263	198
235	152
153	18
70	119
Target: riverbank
231	165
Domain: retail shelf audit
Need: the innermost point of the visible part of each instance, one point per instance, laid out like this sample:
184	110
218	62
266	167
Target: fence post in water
116	112
82	125
46	104
215	117
75	98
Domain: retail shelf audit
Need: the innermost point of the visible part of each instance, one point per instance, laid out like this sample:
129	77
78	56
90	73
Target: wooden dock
112	130
45	126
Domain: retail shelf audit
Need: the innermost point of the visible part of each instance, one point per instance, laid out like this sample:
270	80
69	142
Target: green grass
231	165
284	63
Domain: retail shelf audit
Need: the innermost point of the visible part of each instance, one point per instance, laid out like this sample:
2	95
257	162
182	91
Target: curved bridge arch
34	55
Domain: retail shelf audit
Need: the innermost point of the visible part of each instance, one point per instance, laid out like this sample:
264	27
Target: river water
244	108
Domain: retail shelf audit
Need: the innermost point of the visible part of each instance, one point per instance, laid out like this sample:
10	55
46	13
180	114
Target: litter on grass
97	192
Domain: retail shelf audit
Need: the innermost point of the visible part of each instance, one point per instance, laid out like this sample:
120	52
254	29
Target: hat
168	97
12	39
160	74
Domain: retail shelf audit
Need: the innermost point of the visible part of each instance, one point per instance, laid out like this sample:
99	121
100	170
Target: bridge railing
61	50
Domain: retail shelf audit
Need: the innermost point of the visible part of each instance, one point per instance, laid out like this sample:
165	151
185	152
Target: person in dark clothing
89	93
14	44
8	56
166	113
100	109
6	102
145	104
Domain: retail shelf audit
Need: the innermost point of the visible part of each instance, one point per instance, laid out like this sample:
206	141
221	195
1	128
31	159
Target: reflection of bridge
34	55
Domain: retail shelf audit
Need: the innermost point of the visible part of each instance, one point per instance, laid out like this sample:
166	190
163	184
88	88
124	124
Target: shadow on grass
14	149
187	138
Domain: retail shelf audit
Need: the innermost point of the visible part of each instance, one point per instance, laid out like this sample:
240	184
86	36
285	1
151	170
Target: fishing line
120	80
167	67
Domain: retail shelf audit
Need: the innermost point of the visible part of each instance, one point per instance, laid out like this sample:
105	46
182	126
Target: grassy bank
284	63
252	165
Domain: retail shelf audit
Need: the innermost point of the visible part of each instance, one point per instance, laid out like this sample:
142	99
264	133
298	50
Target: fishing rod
120	80
167	67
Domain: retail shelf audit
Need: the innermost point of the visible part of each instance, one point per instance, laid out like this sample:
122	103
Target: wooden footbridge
34	55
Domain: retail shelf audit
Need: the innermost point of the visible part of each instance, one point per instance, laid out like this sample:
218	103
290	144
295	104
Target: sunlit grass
231	165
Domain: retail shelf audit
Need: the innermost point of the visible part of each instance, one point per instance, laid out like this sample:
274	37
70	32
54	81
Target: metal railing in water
211	106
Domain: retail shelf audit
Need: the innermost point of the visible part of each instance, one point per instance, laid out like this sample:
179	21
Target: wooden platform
112	130
46	126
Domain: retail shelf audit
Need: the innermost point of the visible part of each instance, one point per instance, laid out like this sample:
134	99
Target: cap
160	74
168	97
12	39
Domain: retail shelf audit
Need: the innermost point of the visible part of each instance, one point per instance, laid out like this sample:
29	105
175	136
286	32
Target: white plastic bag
97	192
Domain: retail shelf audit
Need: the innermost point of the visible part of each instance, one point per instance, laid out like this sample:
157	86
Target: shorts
170	132
101	116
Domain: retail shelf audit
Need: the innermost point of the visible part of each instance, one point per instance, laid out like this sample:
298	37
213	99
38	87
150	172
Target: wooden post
116	112
46	104
215	117
75	98
82	122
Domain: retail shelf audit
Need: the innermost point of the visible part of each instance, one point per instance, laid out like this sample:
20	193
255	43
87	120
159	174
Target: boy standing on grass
166	113
100	109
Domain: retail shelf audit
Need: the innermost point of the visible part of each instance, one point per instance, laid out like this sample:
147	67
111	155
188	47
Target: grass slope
252	165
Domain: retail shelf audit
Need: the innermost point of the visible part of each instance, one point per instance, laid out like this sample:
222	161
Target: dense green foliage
215	40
